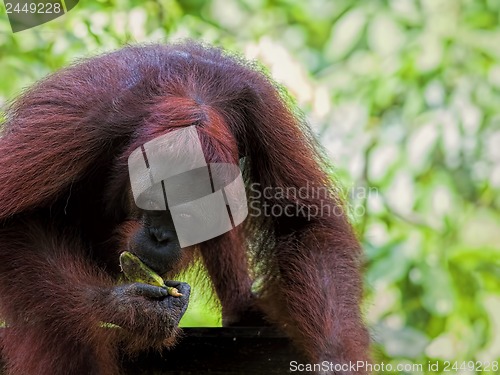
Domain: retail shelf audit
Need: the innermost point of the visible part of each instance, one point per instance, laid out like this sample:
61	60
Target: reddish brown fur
65	192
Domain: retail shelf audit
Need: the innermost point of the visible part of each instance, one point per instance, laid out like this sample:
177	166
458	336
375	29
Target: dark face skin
156	243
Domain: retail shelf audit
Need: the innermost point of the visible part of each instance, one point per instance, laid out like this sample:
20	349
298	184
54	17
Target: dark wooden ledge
220	351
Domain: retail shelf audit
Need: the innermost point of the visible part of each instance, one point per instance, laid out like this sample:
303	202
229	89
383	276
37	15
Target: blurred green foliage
404	94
